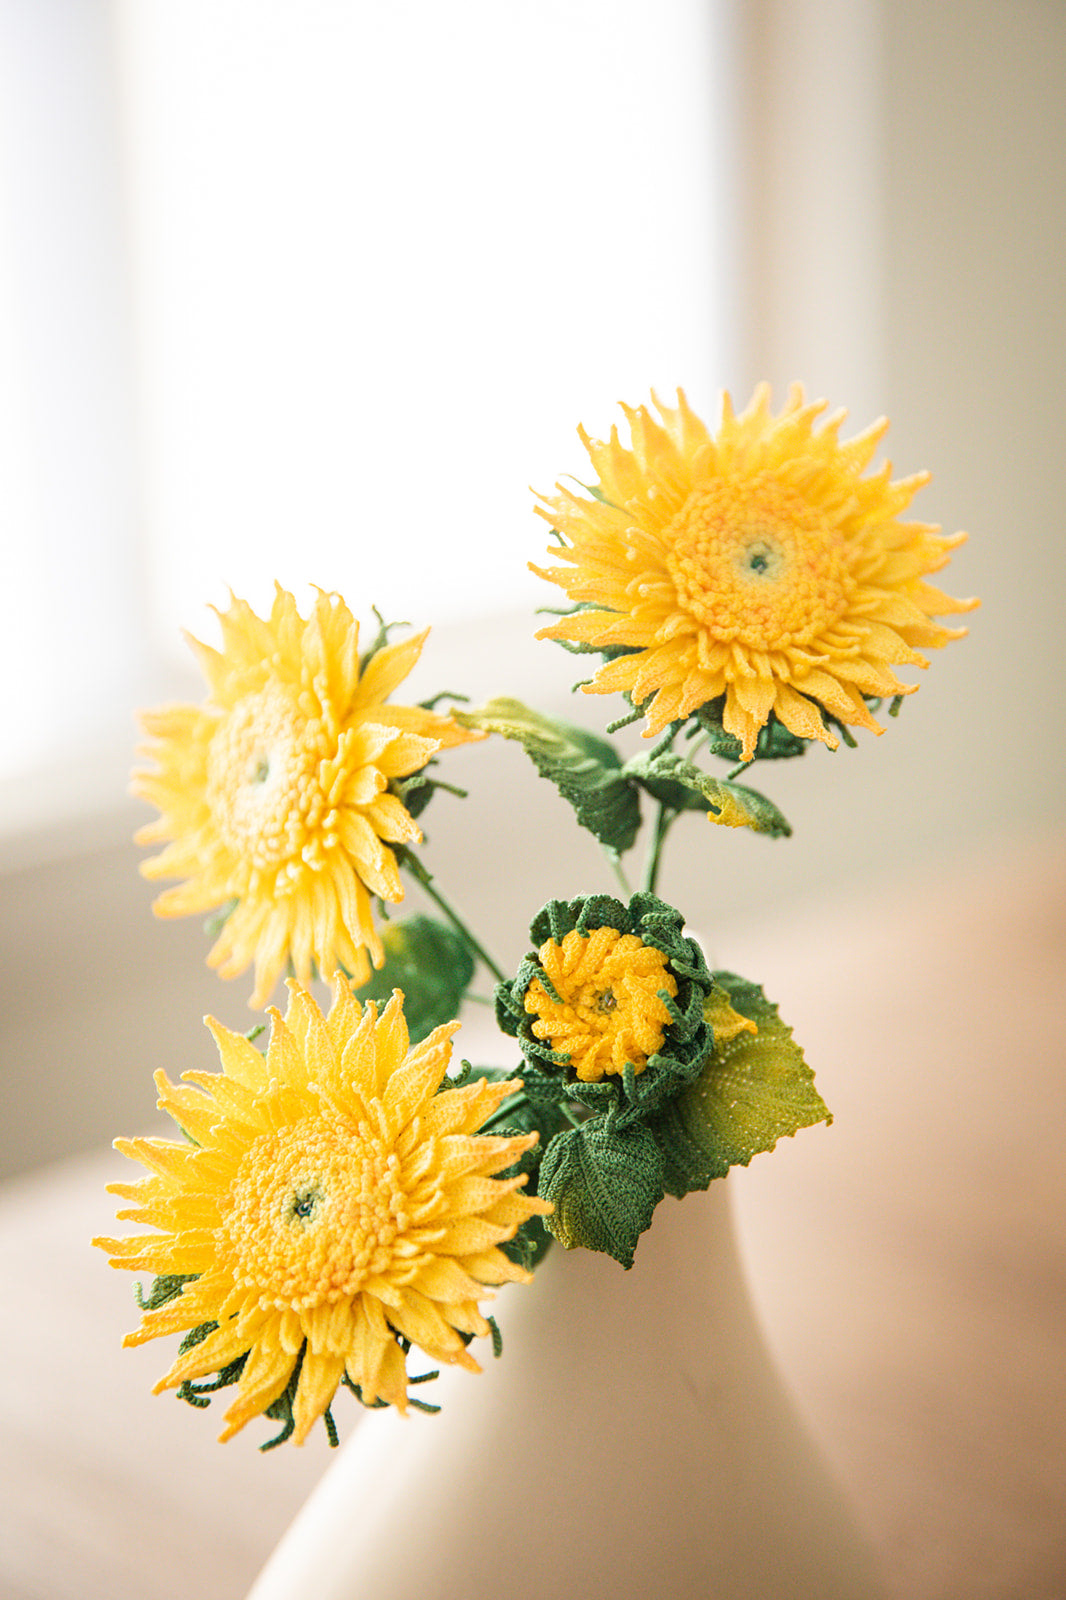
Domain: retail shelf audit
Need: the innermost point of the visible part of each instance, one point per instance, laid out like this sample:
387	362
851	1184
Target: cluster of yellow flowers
336	1200
759	565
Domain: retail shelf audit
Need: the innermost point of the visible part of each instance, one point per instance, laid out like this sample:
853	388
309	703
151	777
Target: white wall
907	237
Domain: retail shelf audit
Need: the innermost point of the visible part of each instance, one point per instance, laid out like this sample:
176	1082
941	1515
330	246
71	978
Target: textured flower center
609	1011
262	778
757	563
313	1211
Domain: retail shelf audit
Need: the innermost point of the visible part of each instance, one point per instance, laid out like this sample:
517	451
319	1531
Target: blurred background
314	290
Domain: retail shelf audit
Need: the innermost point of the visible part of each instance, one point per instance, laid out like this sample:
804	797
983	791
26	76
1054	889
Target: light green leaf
680	783
586	770
431	964
604	1186
753	1090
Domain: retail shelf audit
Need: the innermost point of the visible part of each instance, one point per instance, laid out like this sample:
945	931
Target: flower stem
473	945
619	872
515	1101
664	816
503	1112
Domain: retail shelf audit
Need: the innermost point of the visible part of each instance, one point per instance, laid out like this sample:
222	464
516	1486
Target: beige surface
908	1262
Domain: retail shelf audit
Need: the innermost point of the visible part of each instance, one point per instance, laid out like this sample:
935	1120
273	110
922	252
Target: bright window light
388	256
375	261
70	644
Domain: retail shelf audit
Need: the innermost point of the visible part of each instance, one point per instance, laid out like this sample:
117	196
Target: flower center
609	1011
262	778
757	563
313	1211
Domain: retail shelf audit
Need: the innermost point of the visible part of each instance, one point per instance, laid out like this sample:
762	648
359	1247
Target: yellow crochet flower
759	565
605	1010
331	1200
275	793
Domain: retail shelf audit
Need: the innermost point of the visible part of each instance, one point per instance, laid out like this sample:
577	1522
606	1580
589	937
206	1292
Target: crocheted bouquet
346	1196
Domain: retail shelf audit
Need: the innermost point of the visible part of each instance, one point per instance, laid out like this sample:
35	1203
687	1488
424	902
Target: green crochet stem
473	945
505	1112
665	816
619	871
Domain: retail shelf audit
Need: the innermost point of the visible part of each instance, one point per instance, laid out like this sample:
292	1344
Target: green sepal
597	494
431	964
684	786
199	1394
752	1090
578	647
166	1286
380	639
605	1184
214	924
774	742
414	793
585	768
651	774
196	1336
529	1246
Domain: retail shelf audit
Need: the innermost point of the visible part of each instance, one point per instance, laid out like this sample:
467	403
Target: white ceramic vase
634	1440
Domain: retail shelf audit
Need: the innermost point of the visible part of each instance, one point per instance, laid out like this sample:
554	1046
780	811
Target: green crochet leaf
604	1184
754	1089
683	785
431	964
586	770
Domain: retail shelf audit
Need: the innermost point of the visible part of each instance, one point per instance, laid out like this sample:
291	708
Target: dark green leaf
604	1185
586	769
